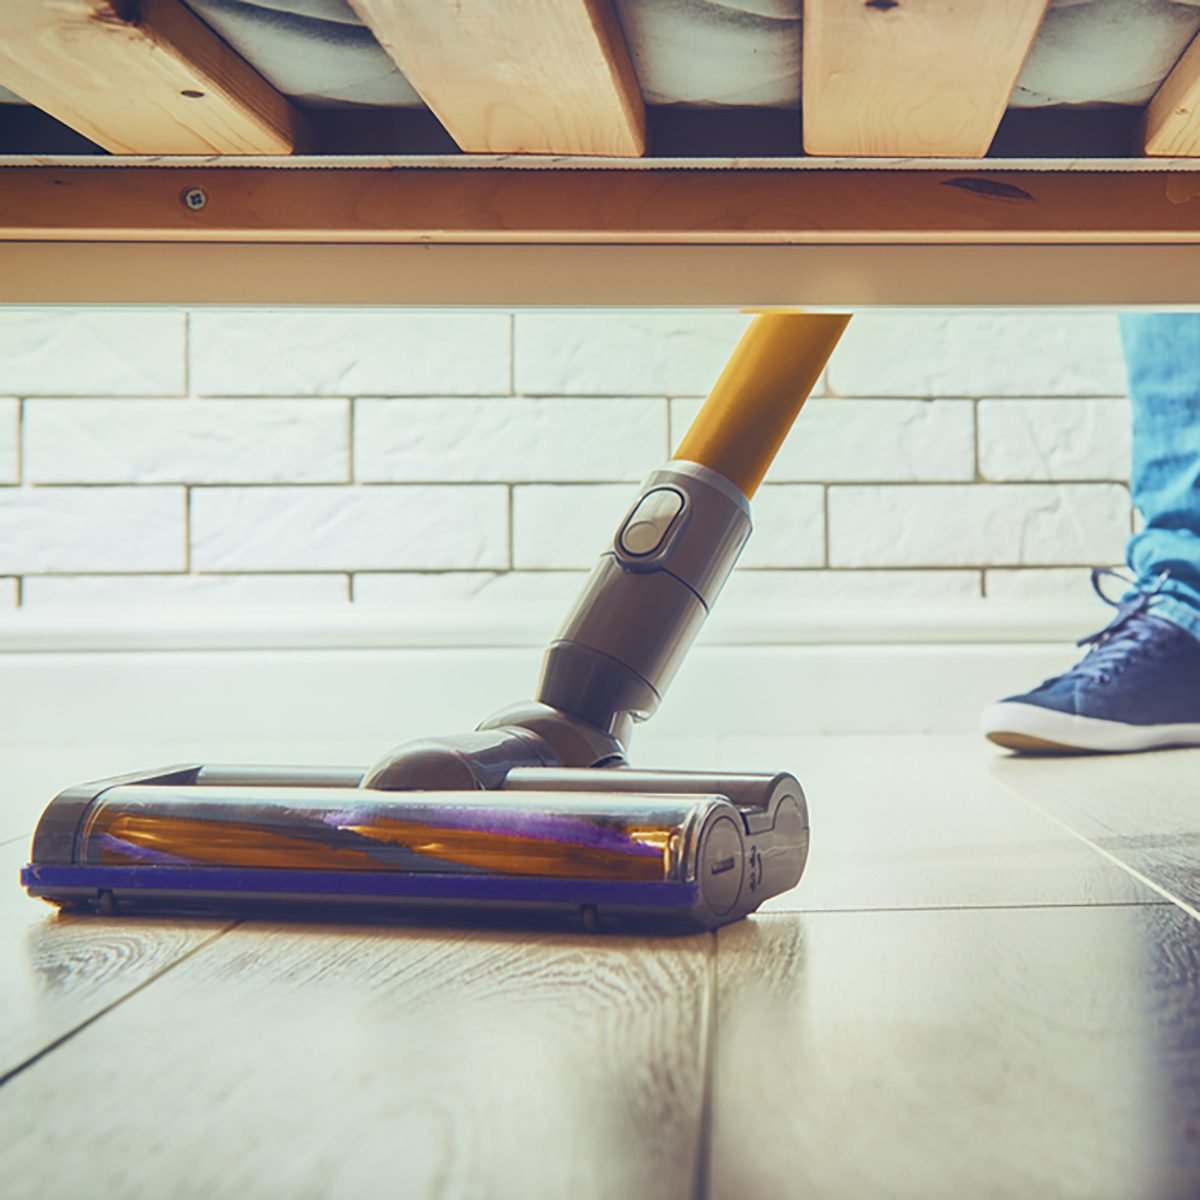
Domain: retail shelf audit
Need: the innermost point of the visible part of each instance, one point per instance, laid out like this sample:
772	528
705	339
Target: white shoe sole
1029	727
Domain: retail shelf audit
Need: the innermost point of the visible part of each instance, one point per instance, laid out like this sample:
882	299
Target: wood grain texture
1171	122
570	277
1143	810
57	972
144	78
520	77
260	204
915	822
917	77
354	1061
938	1055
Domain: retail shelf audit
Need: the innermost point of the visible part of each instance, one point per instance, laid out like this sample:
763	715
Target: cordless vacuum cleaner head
538	810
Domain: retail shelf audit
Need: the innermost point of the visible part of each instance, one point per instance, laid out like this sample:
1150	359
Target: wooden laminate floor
971	994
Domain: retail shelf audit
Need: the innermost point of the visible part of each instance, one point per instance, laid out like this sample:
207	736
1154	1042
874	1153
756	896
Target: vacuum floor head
605	847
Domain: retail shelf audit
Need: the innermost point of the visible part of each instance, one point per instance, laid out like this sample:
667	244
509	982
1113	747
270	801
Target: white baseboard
455	626
376	698
203	685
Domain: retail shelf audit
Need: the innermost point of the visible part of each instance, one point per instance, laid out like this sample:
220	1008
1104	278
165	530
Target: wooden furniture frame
194	232
207	200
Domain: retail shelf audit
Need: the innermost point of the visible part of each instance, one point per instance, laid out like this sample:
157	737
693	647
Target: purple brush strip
544	827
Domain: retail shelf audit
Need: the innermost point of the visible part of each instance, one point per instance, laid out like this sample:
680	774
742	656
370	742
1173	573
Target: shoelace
1124	637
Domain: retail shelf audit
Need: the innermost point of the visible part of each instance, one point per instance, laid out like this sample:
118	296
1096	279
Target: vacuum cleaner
537	811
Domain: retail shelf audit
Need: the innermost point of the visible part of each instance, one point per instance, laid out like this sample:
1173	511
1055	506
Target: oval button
651	521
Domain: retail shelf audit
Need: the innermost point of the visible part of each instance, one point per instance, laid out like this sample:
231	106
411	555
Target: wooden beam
839	277
929	78
519	77
140	77
685	207
1171	123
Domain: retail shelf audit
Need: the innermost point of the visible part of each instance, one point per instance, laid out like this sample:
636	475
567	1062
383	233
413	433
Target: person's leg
1138	687
1162	356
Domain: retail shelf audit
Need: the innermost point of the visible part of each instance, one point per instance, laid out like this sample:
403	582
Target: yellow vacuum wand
653	587
760	393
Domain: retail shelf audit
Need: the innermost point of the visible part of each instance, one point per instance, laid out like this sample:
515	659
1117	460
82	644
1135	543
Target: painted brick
787	589
91	529
1065	584
338	353
502	440
207	441
10	436
789	527
63	352
503	589
208	591
875	440
977	524
570	526
1054	439
349	528
747	588
566	526
979	354
623	354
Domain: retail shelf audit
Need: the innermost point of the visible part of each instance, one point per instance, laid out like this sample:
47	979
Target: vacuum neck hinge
647	597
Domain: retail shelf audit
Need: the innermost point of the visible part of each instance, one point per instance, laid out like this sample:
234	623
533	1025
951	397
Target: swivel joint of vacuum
647	597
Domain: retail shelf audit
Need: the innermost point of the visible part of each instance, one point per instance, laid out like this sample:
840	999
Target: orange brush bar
760	393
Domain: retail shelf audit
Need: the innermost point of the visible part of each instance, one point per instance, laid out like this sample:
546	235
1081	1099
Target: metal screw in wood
195	199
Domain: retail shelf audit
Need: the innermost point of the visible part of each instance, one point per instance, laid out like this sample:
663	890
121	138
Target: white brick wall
567	526
264	353
44	530
222	457
979	354
356	529
500	440
507	588
164	591
1027	584
187	441
125	352
961	525
10	441
1054	439
622	354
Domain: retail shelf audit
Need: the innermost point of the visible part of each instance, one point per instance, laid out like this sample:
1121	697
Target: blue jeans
1162	357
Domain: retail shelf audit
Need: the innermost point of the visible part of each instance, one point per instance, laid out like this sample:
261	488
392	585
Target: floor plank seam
708	1042
141	987
1145	880
910	908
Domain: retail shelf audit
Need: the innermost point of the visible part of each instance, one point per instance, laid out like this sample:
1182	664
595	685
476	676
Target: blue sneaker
1138	688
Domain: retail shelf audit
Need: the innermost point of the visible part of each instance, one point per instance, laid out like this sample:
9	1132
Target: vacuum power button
651	521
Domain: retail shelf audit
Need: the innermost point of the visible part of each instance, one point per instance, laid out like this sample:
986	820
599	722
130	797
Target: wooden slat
140	78
911	77
936	1055
389	1061
1171	123
686	207
57	972
521	77
1140	809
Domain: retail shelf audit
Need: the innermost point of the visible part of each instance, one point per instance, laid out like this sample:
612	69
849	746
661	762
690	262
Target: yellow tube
760	393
